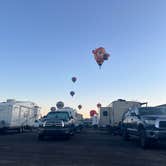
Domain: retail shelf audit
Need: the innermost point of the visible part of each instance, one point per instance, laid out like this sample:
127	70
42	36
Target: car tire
67	137
144	141
125	135
3	131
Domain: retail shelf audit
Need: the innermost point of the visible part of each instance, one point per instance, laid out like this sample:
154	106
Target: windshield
152	111
58	115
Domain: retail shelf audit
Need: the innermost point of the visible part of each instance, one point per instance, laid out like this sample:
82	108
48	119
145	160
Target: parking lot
90	148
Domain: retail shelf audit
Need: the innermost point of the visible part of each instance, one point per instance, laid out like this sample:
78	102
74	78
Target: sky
44	43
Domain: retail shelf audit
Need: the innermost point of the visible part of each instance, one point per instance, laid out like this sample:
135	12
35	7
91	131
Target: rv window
105	113
4	108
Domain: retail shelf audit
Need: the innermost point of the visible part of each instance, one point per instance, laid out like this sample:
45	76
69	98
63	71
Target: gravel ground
89	148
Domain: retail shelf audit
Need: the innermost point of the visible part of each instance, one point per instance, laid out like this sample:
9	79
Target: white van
74	115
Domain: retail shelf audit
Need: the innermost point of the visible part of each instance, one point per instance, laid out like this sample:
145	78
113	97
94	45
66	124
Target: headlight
63	124
150	122
43	124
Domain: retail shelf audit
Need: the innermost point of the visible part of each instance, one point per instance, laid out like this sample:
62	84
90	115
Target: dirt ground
89	148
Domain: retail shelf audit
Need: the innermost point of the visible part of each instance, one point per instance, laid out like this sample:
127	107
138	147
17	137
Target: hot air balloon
53	109
60	104
79	107
93	112
100	55
98	105
74	79
72	93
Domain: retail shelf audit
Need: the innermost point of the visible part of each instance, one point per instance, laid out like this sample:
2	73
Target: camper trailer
18	115
105	117
111	116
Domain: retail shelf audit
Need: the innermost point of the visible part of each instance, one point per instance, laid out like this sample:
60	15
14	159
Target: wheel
72	131
67	137
144	141
2	131
125	134
40	137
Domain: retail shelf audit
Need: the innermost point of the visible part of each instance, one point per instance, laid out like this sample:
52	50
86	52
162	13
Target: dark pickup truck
57	123
146	123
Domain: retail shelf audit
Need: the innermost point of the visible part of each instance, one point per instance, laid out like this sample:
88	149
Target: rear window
105	113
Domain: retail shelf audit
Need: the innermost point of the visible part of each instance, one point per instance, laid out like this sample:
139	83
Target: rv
105	117
95	121
111	116
18	115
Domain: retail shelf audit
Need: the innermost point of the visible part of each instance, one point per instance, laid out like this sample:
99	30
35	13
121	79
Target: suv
57	123
146	123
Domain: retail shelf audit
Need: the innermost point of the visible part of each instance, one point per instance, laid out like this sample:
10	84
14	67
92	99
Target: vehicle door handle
131	119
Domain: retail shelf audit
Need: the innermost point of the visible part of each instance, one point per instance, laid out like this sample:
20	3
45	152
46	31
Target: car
57	123
146	123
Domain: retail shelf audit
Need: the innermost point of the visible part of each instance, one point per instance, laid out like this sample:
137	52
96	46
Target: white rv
18	115
105	117
95	120
74	115
111	116
71	111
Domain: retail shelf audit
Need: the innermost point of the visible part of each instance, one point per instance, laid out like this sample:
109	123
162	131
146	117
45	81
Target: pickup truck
146	123
57	123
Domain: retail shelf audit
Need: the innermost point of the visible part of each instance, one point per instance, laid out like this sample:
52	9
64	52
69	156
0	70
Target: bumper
156	134
54	132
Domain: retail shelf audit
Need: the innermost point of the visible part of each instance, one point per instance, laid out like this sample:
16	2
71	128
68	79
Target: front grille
56	124
162	124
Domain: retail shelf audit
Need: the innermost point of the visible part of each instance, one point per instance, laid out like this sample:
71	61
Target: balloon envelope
79	107
98	105
60	104
100	55
72	93
74	79
53	109
93	112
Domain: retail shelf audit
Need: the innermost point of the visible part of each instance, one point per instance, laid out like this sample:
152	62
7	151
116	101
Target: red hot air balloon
72	93
93	112
98	105
100	55
79	107
74	79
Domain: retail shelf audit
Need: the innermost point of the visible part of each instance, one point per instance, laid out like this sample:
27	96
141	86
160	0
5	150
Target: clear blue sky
43	43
